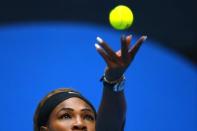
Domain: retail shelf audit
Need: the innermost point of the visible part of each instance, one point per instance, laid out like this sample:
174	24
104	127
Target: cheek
60	125
91	126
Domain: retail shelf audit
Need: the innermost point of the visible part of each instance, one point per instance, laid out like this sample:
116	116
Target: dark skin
112	110
118	62
73	114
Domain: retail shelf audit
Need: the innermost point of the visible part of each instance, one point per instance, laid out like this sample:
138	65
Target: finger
107	49
103	54
118	53
125	43
128	40
136	47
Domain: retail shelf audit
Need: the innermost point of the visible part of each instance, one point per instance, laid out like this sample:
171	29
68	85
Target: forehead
75	103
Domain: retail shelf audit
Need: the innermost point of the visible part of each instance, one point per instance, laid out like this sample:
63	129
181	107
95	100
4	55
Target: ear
43	128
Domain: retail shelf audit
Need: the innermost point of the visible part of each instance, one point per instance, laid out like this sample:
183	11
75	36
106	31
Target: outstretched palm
118	62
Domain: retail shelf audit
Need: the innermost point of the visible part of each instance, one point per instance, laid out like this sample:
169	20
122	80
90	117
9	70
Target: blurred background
171	21
49	44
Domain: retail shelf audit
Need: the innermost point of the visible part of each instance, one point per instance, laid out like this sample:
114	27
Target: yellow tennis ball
121	17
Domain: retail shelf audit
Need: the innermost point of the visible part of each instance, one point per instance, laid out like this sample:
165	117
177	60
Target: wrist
113	81
116	85
113	74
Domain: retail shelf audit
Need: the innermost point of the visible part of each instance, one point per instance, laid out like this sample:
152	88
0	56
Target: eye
66	116
89	117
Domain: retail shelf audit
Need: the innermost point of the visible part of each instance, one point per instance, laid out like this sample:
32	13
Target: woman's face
72	114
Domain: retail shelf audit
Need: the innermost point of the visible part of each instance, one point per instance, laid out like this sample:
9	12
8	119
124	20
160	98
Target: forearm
112	110
111	114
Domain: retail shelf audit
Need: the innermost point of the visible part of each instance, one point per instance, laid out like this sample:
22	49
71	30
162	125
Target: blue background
36	58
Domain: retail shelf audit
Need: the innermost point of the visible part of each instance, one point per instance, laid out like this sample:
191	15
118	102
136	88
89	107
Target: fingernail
129	36
145	37
99	39
97	45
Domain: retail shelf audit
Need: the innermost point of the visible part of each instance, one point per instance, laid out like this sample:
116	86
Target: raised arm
112	110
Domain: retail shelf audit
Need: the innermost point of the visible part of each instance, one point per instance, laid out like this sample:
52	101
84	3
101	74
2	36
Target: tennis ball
121	17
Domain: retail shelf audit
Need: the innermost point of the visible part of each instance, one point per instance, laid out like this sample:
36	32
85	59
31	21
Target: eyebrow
65	109
70	109
87	110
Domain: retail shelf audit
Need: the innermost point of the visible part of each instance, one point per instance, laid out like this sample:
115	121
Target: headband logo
71	92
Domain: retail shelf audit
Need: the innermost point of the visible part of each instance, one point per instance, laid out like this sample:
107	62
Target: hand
118	62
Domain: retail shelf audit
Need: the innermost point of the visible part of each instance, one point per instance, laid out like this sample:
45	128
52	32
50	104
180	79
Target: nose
79	124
